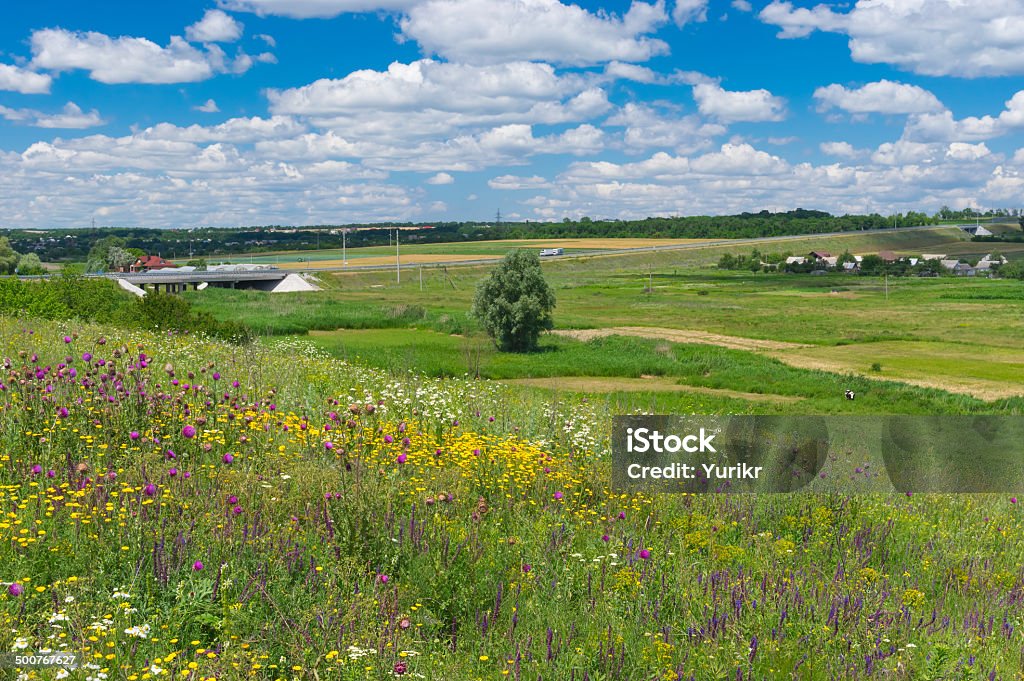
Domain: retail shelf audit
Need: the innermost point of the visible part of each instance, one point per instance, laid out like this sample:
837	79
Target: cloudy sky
254	112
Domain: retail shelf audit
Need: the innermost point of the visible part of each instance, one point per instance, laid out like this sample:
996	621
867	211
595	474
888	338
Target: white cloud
931	37
24	81
884	96
233	130
726	106
209	106
739	159
843	149
739	178
214	27
440	178
310	9
942	127
961	151
484	31
687	11
427	99
268	39
905	152
70	117
742	5
514	182
125	59
646	128
616	70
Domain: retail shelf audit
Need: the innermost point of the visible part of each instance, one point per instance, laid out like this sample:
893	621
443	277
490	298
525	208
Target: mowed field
672	316
413	253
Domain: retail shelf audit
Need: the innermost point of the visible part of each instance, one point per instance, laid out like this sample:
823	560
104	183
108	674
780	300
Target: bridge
175	281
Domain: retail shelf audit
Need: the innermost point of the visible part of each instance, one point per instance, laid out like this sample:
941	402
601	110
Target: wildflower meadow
178	507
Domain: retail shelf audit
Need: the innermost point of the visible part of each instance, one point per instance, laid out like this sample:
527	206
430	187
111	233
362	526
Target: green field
346	498
956	335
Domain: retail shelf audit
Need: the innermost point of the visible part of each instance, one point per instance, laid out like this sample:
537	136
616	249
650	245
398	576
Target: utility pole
344	253
497	219
421	277
887	287
398	261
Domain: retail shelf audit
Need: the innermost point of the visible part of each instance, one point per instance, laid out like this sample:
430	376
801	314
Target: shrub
514	302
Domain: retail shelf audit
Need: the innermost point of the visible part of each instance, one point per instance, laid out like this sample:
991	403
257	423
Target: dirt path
605	384
681	336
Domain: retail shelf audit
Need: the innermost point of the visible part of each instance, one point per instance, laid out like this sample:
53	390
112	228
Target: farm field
955	334
444	252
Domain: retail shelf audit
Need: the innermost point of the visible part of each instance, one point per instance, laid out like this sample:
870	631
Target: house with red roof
150	262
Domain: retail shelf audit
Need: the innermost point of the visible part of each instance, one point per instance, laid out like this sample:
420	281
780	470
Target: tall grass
181	508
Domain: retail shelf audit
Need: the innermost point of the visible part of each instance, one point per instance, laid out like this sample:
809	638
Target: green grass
403	350
296	560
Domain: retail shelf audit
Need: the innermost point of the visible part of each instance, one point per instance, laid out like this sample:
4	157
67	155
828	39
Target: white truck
551	251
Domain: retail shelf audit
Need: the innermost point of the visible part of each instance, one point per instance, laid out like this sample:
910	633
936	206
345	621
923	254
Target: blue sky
253	112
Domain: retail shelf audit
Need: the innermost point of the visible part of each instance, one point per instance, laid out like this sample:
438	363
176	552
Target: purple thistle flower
216	375
63	412
388	439
645	554
605	537
189	432
50	473
328	445
228	458
67	339
558	495
134	435
383	579
172	472
37	469
237	510
15	590
150	490
232	500
402	458
197	566
86	356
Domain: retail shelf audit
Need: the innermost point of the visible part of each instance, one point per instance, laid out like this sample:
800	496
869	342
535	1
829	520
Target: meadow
371	491
183	508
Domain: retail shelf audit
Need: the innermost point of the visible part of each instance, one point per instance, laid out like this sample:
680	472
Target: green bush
514	302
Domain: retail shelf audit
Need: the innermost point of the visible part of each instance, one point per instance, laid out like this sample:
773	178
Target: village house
150	262
986	263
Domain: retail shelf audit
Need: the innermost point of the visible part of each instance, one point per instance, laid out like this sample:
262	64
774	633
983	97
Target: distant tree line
180	244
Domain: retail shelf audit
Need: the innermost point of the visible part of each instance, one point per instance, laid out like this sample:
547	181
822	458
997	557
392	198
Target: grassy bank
180	507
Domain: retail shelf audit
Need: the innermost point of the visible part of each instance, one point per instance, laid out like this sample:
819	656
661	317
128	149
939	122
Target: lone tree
514	303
